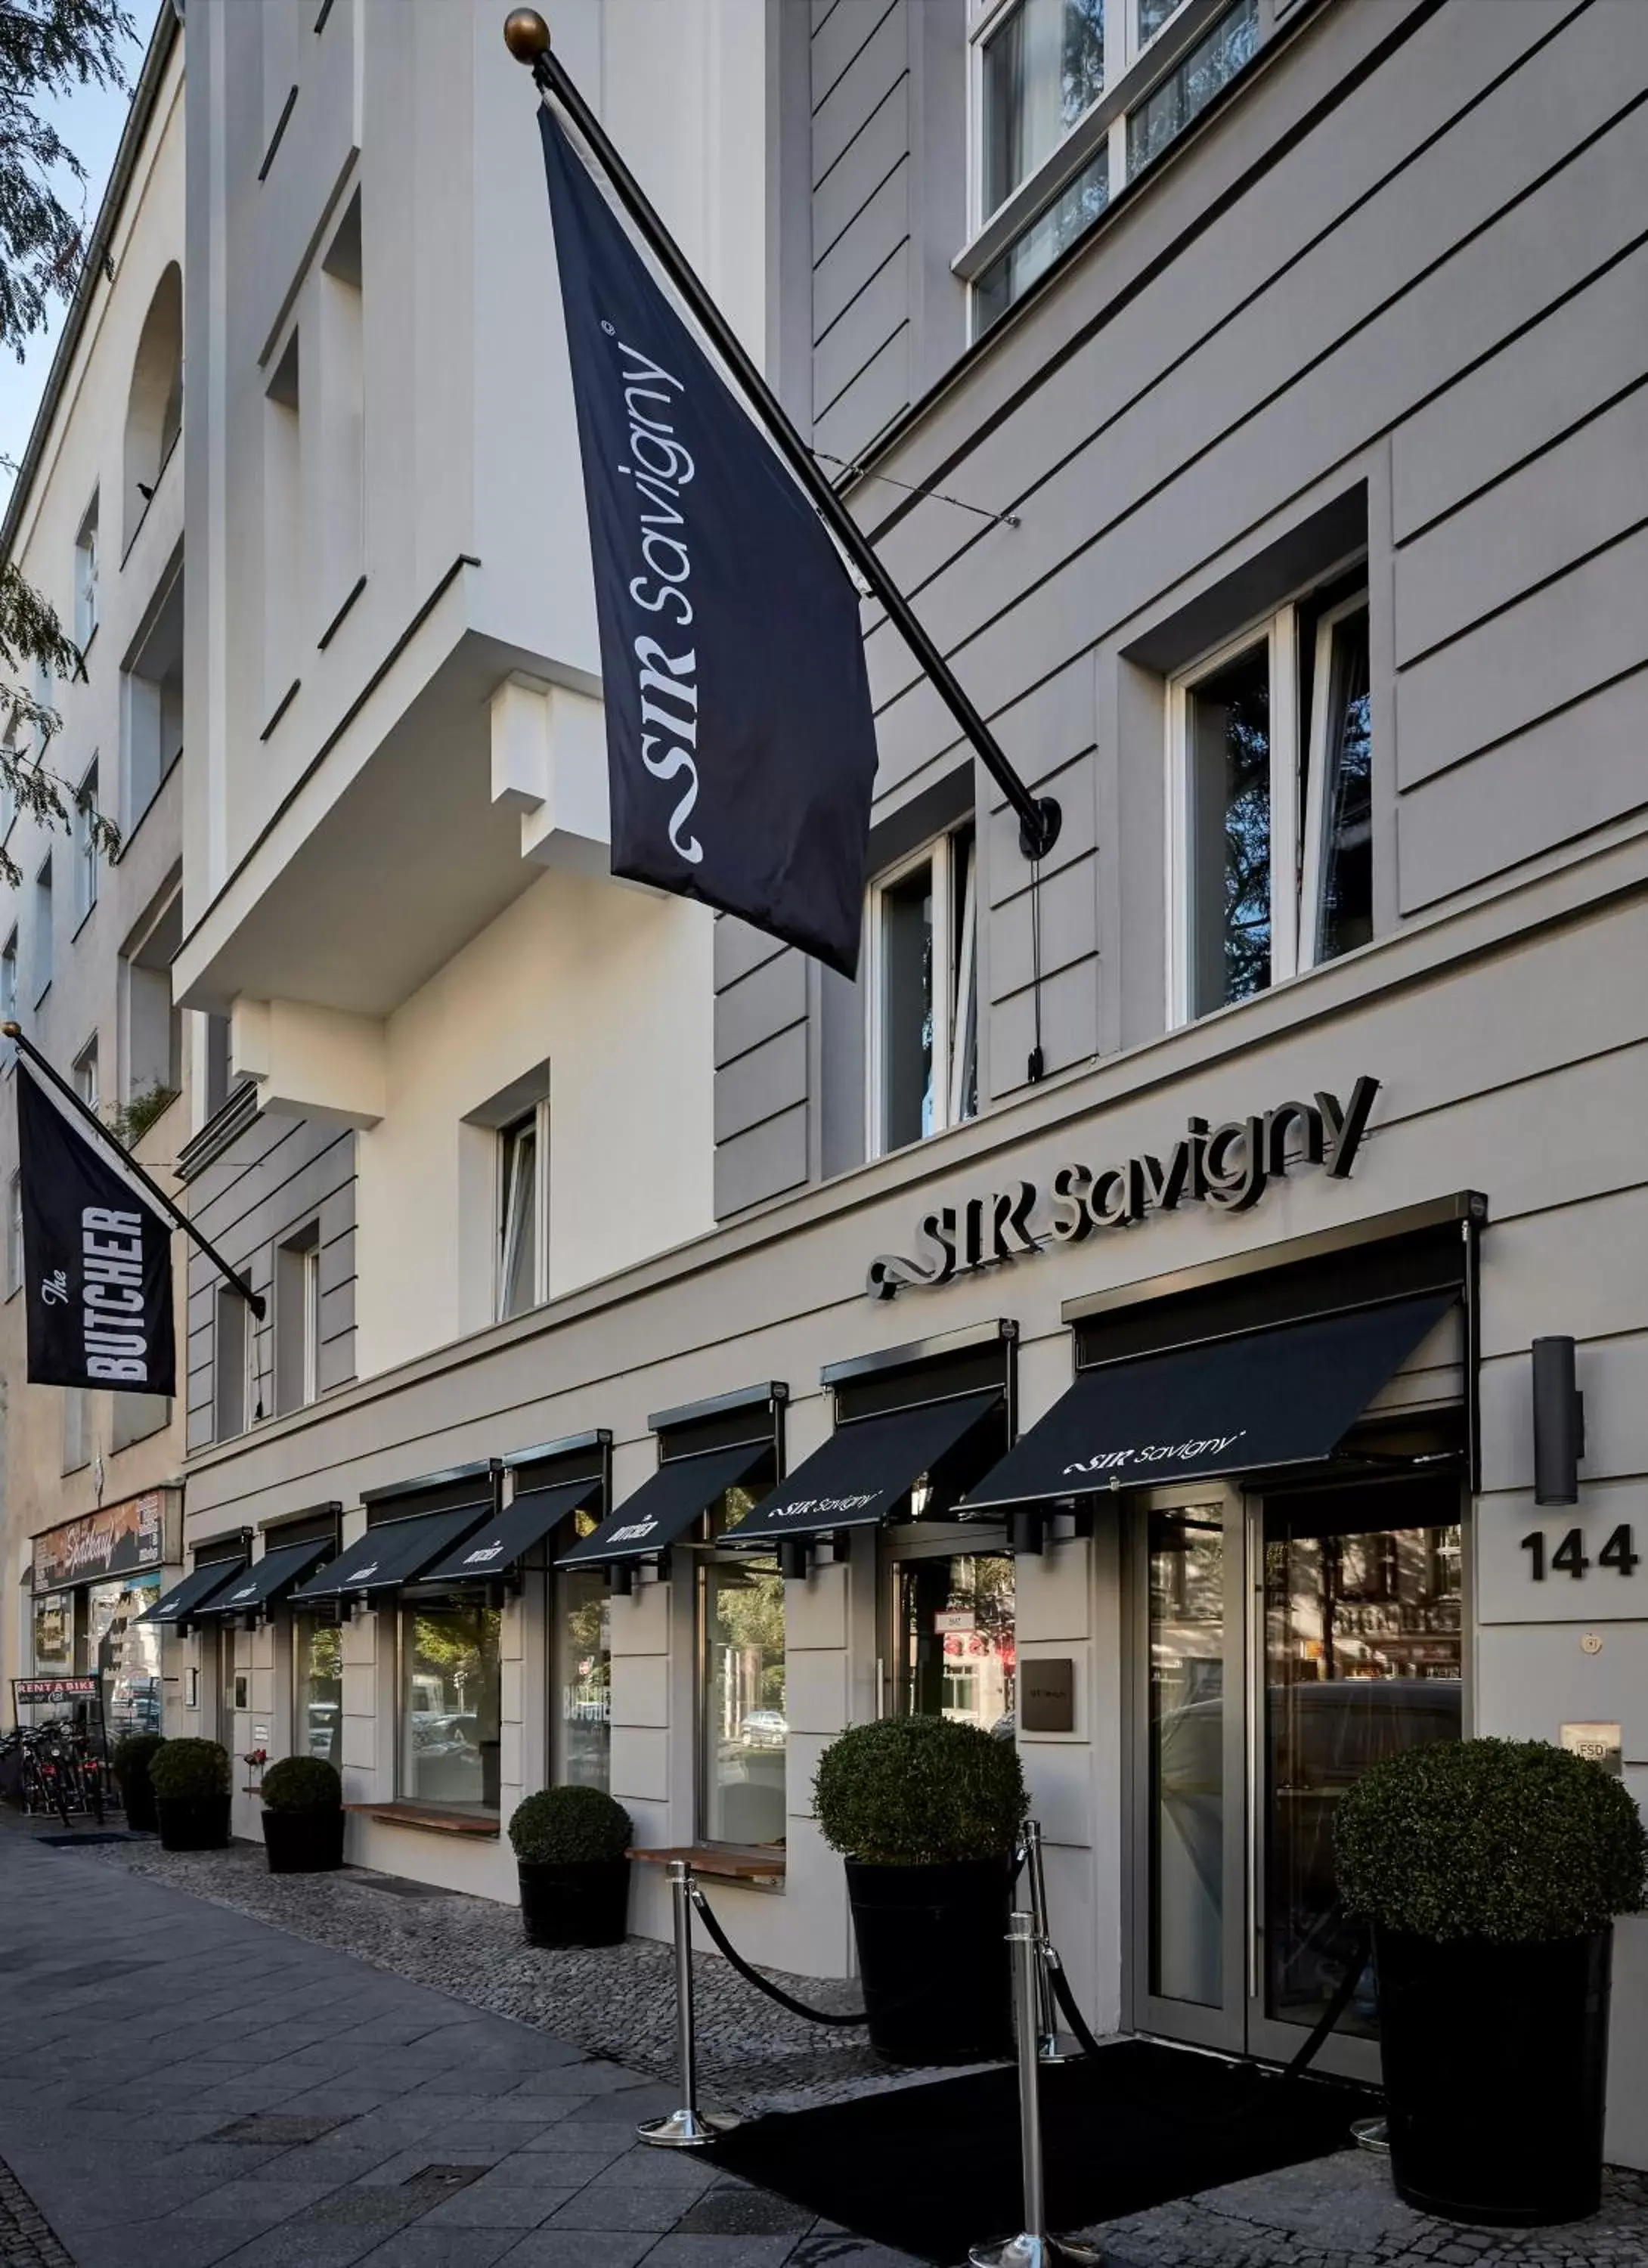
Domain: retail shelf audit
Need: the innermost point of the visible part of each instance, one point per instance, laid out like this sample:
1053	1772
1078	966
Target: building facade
1149	1248
93	1481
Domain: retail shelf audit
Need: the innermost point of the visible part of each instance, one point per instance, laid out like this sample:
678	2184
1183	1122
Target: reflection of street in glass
746	1723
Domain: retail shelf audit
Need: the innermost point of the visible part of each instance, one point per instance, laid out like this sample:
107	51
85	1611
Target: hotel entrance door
1280	1647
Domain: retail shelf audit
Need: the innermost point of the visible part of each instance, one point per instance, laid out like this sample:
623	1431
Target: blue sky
90	122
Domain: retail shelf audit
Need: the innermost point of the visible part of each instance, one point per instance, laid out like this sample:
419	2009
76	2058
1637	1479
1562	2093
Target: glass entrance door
1280	1648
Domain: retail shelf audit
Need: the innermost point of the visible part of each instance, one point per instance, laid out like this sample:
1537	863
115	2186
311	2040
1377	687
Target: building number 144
1568	1557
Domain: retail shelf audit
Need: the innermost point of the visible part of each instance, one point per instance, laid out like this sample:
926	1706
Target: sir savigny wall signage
1228	1166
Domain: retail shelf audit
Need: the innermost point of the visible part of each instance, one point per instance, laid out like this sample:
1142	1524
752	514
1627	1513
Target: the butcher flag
97	1261
740	746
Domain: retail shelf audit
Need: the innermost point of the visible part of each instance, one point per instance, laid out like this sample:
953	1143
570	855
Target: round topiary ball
302	1783
920	1791
181	1771
1514	1841
134	1752
570	1827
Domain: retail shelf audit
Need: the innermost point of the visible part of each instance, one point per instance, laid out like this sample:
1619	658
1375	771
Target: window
341	344
924	1040
151	709
954	1638
85	845
14	1237
85	1074
584	1736
1069	102
53	1631
43	929
134	1416
153	1027
298	1319
284	593
744	1724
451	1705
122	1651
76	1452
226	1685
317	1672
86	577
1169	108
1271	789
523	1210
154	408
9	980
231	1342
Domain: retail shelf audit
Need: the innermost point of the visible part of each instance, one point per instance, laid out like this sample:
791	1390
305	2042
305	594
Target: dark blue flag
741	747
97	1261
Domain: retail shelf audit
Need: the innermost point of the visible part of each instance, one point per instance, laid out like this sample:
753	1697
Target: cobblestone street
205	2063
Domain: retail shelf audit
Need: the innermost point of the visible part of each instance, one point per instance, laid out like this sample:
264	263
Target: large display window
318	1687
582	1730
451	1704
123	1653
744	1722
53	1621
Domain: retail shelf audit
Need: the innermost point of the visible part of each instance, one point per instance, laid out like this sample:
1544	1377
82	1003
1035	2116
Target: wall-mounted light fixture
1558	1423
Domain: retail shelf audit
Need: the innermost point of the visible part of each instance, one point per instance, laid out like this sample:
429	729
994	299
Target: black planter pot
1496	2066
303	1842
933	1954
587	1904
138	1798
193	1822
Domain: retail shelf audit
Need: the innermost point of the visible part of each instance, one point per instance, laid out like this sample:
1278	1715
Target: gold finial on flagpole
12	1031
526	34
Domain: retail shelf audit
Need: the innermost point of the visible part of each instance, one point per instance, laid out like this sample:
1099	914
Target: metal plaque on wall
1602	1744
1047	1695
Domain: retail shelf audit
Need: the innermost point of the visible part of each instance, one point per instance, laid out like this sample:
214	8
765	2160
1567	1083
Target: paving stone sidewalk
182	2083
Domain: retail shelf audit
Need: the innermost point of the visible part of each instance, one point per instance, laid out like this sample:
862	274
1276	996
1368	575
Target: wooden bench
429	1818
732	1863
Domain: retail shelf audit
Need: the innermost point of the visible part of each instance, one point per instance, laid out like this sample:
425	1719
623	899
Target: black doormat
933	2169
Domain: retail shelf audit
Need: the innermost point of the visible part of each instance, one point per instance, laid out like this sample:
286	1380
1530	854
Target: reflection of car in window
764	1728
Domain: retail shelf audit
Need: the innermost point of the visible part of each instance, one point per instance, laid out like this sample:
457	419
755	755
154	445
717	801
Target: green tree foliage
48	47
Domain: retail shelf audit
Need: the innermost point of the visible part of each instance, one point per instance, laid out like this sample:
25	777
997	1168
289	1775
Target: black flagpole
129	1164
527	38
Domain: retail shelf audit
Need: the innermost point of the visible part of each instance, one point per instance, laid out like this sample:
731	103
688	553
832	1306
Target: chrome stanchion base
1059	2047
1036	2252
1371	2134
687	2129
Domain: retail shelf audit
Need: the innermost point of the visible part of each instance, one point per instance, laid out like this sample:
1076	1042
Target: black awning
268	1579
497	1544
202	1583
663	1509
1284	1396
866	1465
393	1552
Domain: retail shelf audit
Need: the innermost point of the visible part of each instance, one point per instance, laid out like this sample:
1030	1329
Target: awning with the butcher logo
1284	1395
268	1580
863	1468
393	1552
184	1603
663	1509
496	1546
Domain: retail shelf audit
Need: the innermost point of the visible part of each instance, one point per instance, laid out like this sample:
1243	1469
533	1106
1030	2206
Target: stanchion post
1033	2247
1054	2046
689	2128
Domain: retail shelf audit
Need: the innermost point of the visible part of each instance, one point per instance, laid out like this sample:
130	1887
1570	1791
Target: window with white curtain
924	1005
522	1269
1271	790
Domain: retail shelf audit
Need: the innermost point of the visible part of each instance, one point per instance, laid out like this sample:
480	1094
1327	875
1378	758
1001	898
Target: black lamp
1558	1423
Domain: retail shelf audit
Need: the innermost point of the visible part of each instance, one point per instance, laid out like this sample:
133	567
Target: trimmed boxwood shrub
302	1783
182	1772
570	1827
133	1753
920	1791
1514	1841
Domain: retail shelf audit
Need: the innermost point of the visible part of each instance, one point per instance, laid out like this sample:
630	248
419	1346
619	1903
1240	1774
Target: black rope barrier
761	1984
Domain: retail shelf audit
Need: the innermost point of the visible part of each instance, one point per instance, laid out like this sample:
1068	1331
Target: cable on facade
912	488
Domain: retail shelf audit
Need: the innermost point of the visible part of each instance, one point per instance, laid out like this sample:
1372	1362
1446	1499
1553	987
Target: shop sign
118	1540
53	1689
1228	1166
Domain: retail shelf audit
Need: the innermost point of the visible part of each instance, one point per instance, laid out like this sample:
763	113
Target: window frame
538	1119
958	979
45	967
85	847
705	1563
90	1091
1133	69
1295	881
406	1610
87	561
